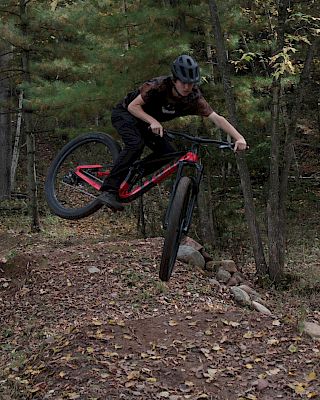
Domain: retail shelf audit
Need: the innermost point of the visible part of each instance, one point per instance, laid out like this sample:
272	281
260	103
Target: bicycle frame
125	193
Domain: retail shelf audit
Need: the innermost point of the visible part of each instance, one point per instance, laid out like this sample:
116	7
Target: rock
214	282
189	255
212	266
93	270
240	296
205	255
223	275
229	265
233	281
252	293
312	329
259	307
239	277
188	241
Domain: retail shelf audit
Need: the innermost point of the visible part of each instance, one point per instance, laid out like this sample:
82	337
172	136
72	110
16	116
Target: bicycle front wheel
70	194
177	219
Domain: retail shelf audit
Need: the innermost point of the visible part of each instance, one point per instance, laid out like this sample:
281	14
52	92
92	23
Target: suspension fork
196	179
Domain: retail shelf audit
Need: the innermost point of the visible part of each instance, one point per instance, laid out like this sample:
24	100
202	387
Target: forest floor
84	316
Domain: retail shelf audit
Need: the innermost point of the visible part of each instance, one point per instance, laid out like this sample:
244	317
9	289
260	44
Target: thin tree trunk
254	230
289	146
275	267
31	165
275	226
16	147
5	133
207	223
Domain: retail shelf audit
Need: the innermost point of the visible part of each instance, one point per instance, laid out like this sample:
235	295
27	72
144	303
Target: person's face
183	88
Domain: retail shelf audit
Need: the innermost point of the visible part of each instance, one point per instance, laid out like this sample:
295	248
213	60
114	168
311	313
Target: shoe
110	200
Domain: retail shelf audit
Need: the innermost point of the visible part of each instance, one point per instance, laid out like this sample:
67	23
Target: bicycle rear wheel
68	195
175	228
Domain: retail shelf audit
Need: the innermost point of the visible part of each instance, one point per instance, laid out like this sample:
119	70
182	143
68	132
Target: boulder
240	296
312	329
188	241
252	293
259	307
189	255
229	265
223	276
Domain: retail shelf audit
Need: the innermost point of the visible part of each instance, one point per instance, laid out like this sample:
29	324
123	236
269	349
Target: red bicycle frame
125	194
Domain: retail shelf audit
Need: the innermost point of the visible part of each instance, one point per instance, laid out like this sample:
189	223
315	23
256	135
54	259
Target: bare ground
120	333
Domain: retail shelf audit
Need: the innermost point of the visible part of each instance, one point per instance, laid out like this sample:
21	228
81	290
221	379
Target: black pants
135	135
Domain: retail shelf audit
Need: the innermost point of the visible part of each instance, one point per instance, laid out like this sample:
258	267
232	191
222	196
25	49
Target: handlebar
195	139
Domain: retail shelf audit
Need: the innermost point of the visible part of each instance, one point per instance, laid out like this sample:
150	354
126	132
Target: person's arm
239	141
135	108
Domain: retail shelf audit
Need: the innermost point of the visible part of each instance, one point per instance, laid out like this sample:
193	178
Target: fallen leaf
133	375
312	376
292	348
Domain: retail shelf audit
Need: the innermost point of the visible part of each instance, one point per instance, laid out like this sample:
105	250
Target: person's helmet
186	69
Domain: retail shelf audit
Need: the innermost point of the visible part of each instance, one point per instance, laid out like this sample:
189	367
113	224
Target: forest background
65	64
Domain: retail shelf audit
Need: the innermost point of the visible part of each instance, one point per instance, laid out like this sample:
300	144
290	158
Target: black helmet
186	69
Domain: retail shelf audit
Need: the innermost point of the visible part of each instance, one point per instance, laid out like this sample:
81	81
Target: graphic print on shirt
168	109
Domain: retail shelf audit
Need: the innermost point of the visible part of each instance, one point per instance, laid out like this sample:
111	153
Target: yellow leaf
312	376
249	366
151	380
299	389
248	335
251	397
310	395
96	322
208	332
173	322
90	350
127	337
62	374
292	348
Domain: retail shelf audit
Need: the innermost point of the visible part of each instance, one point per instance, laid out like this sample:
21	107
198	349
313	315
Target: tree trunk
31	165
275	225
275	266
5	132
254	230
289	149
16	147
207	221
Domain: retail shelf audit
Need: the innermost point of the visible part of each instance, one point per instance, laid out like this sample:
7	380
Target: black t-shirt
162	105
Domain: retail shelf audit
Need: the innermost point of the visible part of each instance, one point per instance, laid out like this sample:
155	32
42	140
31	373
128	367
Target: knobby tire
175	228
69	209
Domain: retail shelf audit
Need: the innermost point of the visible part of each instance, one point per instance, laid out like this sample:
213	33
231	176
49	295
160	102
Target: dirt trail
96	323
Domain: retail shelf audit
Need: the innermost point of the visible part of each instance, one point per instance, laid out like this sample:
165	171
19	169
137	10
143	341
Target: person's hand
156	128
240	144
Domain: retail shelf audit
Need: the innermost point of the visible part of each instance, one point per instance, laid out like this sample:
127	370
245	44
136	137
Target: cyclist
139	116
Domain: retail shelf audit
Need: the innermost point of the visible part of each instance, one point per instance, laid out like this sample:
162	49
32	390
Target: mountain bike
77	172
